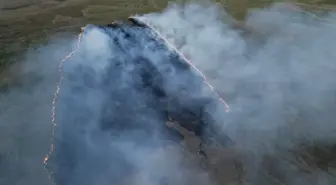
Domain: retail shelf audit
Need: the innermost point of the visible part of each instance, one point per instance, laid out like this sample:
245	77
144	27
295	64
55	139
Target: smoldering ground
280	86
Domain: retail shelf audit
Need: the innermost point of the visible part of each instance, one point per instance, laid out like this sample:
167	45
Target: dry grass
27	23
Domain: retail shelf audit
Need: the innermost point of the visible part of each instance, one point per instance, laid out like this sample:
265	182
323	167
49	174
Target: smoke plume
278	78
278	81
284	74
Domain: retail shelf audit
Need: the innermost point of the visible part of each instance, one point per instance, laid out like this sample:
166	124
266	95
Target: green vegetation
28	25
21	28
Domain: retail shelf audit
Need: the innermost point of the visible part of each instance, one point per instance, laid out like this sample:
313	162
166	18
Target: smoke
270	81
111	121
278	80
26	111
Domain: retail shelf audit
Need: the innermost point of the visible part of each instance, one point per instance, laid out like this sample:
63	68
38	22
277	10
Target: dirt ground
23	144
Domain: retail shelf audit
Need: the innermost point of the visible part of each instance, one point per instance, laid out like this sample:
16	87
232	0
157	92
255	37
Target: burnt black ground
138	95
25	142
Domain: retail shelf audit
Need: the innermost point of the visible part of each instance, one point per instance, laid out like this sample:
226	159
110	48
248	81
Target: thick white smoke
279	82
280	86
104	109
270	81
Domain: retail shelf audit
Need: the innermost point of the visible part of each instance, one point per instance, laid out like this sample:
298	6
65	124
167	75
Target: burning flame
171	46
58	86
56	95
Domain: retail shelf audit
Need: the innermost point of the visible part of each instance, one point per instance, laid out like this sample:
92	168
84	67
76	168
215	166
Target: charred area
144	85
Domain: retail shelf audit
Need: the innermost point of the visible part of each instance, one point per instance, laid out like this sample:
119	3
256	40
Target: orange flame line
61	72
56	95
227	107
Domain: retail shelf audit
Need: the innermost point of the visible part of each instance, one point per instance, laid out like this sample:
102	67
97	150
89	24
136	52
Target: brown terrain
23	144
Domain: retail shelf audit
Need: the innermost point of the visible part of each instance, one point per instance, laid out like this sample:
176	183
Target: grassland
27	23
